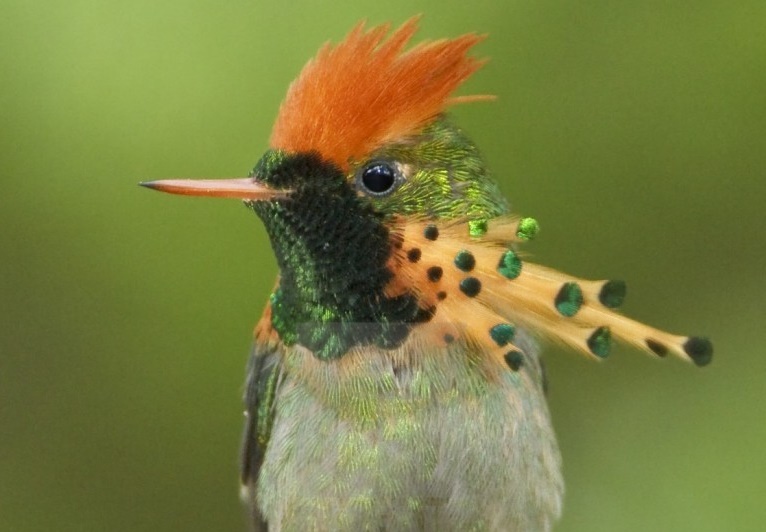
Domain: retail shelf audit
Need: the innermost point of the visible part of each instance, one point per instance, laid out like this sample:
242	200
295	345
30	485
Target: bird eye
378	178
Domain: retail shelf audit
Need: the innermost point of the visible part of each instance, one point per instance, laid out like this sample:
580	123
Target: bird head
382	216
360	144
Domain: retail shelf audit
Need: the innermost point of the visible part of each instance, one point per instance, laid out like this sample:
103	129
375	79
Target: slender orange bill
245	188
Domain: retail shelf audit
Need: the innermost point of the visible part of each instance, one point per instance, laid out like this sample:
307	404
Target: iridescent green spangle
600	341
470	286
569	299
514	359
699	349
509	265
527	228
612	294
502	333
477	228
464	260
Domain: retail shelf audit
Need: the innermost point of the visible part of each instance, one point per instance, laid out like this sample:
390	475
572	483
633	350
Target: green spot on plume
612	294
477	228
502	333
465	260
527	229
699	349
569	299
509	265
514	359
470	286
600	341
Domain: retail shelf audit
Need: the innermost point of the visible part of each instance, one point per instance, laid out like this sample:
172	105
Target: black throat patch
332	249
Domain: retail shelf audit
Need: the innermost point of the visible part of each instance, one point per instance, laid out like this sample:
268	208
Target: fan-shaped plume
483	277
366	91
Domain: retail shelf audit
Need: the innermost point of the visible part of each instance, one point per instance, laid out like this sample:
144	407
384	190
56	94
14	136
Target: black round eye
378	178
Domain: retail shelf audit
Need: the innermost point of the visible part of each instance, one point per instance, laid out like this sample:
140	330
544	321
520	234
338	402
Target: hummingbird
395	380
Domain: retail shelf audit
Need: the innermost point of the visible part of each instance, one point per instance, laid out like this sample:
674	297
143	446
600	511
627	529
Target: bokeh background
634	131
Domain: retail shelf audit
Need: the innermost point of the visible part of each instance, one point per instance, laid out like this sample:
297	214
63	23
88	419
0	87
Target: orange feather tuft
365	92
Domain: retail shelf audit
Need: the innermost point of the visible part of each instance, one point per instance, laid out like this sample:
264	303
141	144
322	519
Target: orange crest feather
356	96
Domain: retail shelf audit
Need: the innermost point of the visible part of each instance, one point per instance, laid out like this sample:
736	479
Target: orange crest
366	91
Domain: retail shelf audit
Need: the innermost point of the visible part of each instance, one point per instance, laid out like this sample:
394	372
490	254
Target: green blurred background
634	131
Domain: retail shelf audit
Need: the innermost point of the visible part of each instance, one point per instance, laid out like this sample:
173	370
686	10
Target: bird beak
247	188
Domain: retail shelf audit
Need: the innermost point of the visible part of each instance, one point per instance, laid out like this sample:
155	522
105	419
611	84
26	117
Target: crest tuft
367	91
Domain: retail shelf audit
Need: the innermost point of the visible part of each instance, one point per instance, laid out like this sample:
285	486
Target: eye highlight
378	178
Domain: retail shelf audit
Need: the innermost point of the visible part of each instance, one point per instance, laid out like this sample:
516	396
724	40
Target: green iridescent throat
332	250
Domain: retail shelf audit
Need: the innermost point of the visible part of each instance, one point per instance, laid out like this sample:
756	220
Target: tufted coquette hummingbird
395	381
